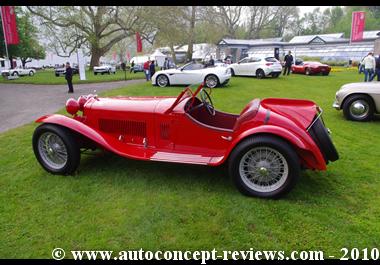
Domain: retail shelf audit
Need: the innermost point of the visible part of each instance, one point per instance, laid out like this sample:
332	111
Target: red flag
357	26
9	24
138	42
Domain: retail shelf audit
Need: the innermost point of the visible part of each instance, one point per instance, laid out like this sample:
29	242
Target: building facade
327	47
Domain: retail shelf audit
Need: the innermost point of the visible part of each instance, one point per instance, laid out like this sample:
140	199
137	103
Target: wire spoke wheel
52	150
263	169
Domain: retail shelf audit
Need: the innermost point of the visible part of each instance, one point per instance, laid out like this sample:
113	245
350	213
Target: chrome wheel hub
52	150
263	169
162	81
211	81
359	108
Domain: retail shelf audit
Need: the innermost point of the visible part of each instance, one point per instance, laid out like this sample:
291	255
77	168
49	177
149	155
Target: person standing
132	65
152	69
211	62
288	62
69	77
369	67
166	64
146	70
378	67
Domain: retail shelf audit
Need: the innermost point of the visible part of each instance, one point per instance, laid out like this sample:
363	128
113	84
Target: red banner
138	42
8	16
357	27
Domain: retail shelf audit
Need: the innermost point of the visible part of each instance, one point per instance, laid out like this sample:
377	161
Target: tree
28	47
260	18
97	27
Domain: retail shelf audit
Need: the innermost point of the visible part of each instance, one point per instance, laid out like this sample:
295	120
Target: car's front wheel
31	73
162	80
307	71
264	166
358	108
211	81
260	74
56	149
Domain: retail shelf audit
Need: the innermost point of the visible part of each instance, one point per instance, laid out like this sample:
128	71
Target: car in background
104	69
311	68
192	73
359	101
259	67
62	70
18	71
137	68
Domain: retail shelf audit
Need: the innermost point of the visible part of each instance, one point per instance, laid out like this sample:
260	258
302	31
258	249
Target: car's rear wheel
31	73
56	149
162	80
15	74
264	166
57	75
307	71
260	74
358	108
211	81
232	72
95	73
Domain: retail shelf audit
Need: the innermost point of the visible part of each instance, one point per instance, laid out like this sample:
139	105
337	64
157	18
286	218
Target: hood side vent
126	127
165	131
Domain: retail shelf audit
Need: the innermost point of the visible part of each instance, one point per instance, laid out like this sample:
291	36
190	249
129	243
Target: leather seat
248	113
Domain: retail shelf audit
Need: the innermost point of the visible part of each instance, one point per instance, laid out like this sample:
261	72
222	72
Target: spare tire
322	138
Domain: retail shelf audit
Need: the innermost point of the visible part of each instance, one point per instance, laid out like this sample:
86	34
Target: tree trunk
173	53
11	61
191	35
96	53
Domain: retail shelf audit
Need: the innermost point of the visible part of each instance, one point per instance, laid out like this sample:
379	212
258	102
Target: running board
185	158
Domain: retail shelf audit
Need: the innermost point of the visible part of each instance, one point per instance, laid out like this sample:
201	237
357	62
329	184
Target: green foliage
28	47
120	204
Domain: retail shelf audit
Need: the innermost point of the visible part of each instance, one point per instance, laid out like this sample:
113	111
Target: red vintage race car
310	68
265	146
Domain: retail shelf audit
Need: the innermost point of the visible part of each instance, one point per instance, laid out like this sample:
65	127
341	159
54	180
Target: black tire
72	148
260	74
57	75
95	73
31	73
217	83
275	143
322	138
162	84
15	74
307	71
362	99
232	72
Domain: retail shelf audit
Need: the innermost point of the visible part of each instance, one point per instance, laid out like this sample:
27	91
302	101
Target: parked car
138	68
192	73
265	146
62	71
256	66
104	69
359	101
310	68
18	71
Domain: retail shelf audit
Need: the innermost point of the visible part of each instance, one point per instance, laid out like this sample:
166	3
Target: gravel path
23	103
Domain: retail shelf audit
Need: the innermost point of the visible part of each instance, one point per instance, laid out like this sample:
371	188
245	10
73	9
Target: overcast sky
306	9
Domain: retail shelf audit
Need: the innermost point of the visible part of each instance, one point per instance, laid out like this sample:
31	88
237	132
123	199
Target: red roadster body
265	145
309	68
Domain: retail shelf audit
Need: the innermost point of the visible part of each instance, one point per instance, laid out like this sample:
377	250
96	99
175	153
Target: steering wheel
207	102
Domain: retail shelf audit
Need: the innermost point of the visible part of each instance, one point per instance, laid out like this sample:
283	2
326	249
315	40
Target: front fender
79	127
308	150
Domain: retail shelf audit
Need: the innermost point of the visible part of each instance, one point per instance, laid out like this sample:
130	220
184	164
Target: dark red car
311	68
265	146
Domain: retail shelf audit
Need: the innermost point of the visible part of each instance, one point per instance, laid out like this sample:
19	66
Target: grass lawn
119	204
47	77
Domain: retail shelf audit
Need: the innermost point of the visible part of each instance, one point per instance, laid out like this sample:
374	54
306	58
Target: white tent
140	59
159	57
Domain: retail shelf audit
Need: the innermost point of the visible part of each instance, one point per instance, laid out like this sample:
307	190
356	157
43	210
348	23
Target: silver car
359	101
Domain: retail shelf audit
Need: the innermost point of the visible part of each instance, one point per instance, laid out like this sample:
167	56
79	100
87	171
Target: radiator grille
127	127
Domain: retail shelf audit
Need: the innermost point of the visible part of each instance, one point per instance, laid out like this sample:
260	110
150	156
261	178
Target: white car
257	66
192	73
18	71
103	69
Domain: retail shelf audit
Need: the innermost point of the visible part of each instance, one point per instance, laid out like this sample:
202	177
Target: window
193	66
271	59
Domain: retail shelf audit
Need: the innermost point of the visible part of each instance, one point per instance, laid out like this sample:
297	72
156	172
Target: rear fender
307	150
78	127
